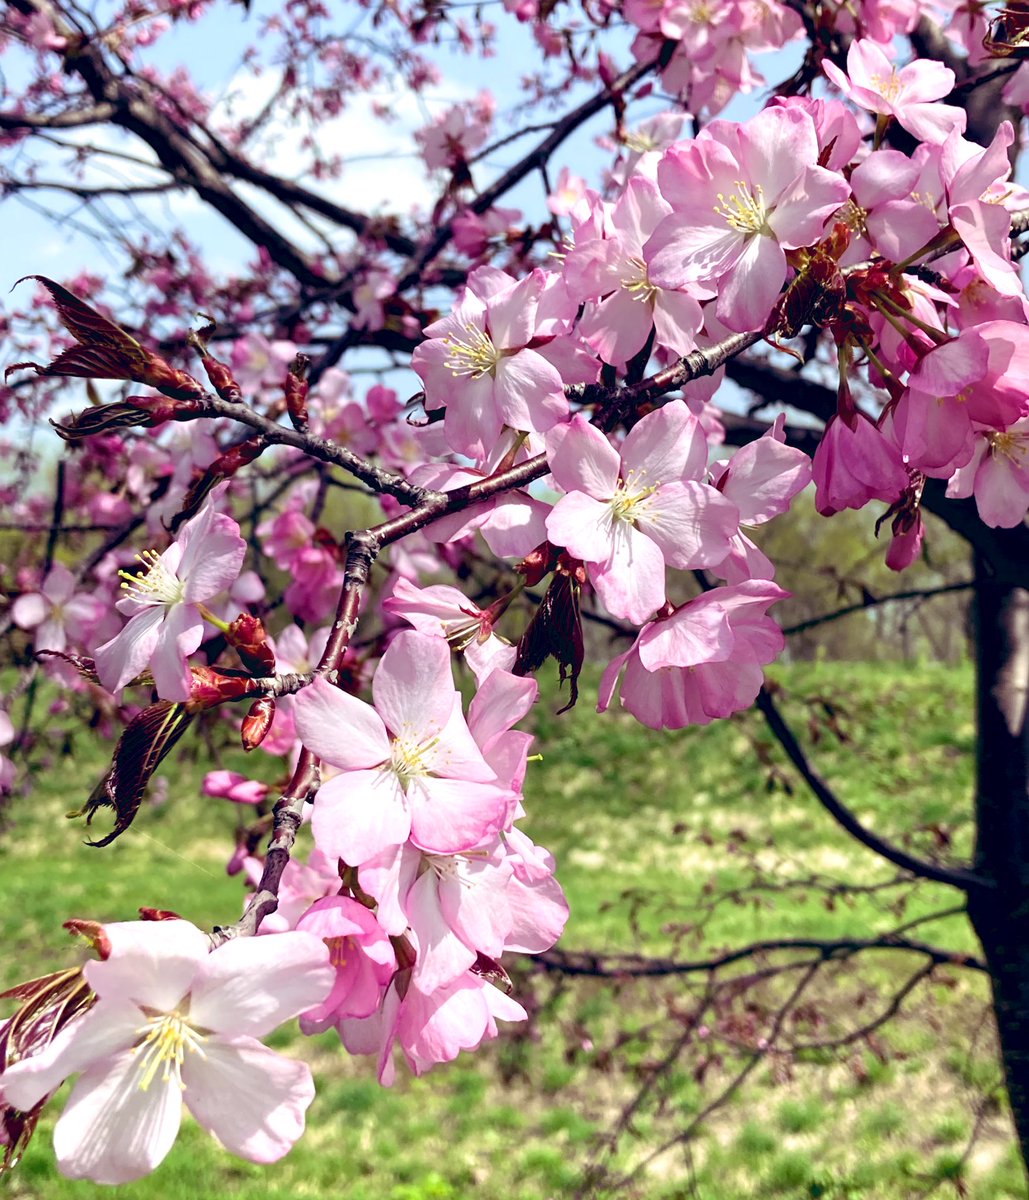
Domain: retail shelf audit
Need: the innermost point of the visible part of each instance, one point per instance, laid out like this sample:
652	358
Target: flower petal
252	1099
151	963
339	728
112	1130
252	985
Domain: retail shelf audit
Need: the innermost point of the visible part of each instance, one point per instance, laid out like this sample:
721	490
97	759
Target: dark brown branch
637	966
874	601
96	115
377	478
967	881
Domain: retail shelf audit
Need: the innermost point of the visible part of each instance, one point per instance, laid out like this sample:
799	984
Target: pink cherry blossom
627	515
446	612
741	196
975	379
997	475
606	267
977	197
408	766
479	365
59	613
432	1028
568	191
361	954
854	463
702	662
166	624
230	785
761	479
872	82
173	1022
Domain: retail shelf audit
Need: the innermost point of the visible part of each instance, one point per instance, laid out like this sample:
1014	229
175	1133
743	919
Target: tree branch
965	880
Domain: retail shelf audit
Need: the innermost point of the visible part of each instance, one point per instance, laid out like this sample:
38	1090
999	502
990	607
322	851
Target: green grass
650	830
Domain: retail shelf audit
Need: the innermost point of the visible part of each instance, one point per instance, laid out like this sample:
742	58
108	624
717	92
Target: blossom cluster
545	441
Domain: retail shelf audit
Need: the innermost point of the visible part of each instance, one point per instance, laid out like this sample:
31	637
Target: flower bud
257	722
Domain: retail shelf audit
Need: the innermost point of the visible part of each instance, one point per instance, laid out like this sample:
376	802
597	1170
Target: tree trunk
1000	914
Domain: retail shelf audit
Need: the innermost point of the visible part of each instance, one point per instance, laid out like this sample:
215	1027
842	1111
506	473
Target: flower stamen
163	1048
157	585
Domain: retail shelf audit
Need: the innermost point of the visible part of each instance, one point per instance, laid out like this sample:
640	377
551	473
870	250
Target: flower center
637	283
1011	446
475	356
339	949
640	141
410	759
854	217
157	585
630	498
889	88
475	627
165	1040
744	210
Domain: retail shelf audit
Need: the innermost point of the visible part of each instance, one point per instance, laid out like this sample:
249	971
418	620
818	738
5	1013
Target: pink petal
413	687
109	1027
29	610
631	581
253	985
451	815
456	754
442	956
691	523
178	636
749	290
252	1099
696	633
152	963
666	446
529	392
127	655
358	815
212	554
581	459
339	728
114	1131
582	525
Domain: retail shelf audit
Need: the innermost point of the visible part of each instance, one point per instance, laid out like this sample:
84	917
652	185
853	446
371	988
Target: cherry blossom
480	366
60	614
173	1022
702	662
408	766
874	83
166	624
741	196
628	514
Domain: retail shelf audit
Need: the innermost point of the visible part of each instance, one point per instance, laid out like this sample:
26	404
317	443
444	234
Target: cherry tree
556	432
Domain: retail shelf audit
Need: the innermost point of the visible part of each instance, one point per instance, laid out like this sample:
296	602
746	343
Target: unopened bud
295	387
257	722
247	636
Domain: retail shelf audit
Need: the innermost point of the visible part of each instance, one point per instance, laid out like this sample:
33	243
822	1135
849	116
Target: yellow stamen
157	585
745	211
637	283
163	1048
474	357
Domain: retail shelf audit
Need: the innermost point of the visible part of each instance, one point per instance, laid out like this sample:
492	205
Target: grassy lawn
662	842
